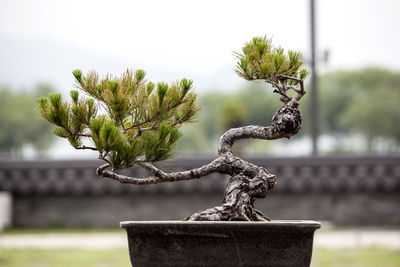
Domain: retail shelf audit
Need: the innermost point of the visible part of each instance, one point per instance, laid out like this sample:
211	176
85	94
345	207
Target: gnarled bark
248	182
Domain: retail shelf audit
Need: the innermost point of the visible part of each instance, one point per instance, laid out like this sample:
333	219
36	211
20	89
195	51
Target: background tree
20	122
351	102
257	106
141	123
232	114
364	102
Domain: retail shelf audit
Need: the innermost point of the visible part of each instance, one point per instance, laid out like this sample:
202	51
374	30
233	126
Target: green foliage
96	125
158	145
162	89
75	96
113	86
73	118
19	120
139	120
185	86
78	75
260	60
110	135
57	112
75	141
139	75
149	88
125	153
61	132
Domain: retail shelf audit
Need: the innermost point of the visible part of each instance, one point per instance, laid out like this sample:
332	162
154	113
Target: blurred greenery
64	258
254	104
20	123
368	257
232	114
360	104
360	112
364	102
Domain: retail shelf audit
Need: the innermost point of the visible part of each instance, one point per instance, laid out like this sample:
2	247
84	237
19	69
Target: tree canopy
139	118
260	60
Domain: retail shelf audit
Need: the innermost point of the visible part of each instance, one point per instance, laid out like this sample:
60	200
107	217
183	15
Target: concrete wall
375	209
345	191
5	210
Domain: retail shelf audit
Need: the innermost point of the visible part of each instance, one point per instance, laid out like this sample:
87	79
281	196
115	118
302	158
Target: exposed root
228	213
243	189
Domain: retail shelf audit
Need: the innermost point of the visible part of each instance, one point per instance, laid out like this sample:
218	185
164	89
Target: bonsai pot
220	243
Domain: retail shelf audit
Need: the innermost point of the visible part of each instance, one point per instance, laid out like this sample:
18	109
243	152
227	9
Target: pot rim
264	224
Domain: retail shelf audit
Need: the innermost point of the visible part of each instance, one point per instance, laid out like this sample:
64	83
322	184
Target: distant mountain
25	63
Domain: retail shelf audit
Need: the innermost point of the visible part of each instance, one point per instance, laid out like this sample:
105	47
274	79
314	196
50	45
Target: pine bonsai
140	125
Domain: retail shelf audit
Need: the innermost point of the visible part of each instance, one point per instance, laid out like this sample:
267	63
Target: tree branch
154	127
137	125
301	92
290	78
122	125
71	133
86	147
103	157
160	176
150	119
285	123
251	131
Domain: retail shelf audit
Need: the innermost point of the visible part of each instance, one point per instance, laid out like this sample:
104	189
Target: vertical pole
314	89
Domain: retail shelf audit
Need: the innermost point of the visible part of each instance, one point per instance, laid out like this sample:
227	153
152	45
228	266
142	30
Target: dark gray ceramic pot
181	243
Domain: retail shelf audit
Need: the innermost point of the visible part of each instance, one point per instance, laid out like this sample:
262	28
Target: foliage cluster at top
141	119
260	60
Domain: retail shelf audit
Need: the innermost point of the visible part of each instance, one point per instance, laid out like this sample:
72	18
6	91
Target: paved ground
358	239
88	241
332	240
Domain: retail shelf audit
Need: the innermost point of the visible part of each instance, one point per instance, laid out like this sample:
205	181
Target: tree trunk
247	182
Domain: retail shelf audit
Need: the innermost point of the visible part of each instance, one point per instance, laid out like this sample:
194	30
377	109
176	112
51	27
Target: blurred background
343	168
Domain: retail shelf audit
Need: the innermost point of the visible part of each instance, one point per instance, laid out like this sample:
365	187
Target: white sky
194	39
44	40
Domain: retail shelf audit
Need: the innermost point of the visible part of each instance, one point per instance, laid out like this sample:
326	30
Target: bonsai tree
139	126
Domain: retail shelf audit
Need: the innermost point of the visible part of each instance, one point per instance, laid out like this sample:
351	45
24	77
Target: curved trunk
243	188
248	181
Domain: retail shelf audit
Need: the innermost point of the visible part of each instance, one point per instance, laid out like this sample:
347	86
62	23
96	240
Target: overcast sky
44	40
